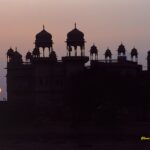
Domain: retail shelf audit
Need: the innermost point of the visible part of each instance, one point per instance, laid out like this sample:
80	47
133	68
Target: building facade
45	82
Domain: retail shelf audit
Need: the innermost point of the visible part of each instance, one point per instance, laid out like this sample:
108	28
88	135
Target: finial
43	27
16	48
75	25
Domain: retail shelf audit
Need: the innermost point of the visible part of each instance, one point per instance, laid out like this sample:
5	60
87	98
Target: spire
75	25
43	27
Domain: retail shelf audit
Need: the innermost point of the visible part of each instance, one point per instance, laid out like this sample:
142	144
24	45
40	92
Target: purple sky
104	22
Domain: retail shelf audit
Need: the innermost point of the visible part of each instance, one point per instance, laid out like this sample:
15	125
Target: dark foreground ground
54	137
72	145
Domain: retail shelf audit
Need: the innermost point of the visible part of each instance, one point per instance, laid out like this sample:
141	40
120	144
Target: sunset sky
106	23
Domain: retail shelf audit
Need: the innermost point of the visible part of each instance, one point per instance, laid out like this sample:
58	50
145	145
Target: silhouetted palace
67	89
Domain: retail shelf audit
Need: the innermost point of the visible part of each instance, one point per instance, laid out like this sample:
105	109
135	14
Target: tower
29	56
134	54
10	54
44	40
148	61
75	39
93	52
121	53
75	63
14	56
108	55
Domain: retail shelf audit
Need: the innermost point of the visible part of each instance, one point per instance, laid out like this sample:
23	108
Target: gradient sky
104	22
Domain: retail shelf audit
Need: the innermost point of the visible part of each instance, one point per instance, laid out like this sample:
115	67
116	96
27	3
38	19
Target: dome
108	51
134	52
10	51
44	35
75	38
17	54
121	49
28	55
43	39
17	57
75	34
10	54
93	49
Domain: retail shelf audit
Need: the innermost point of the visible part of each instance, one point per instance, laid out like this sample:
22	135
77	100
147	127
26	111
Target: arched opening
47	52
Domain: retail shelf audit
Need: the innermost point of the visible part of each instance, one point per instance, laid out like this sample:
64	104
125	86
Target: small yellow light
143	138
